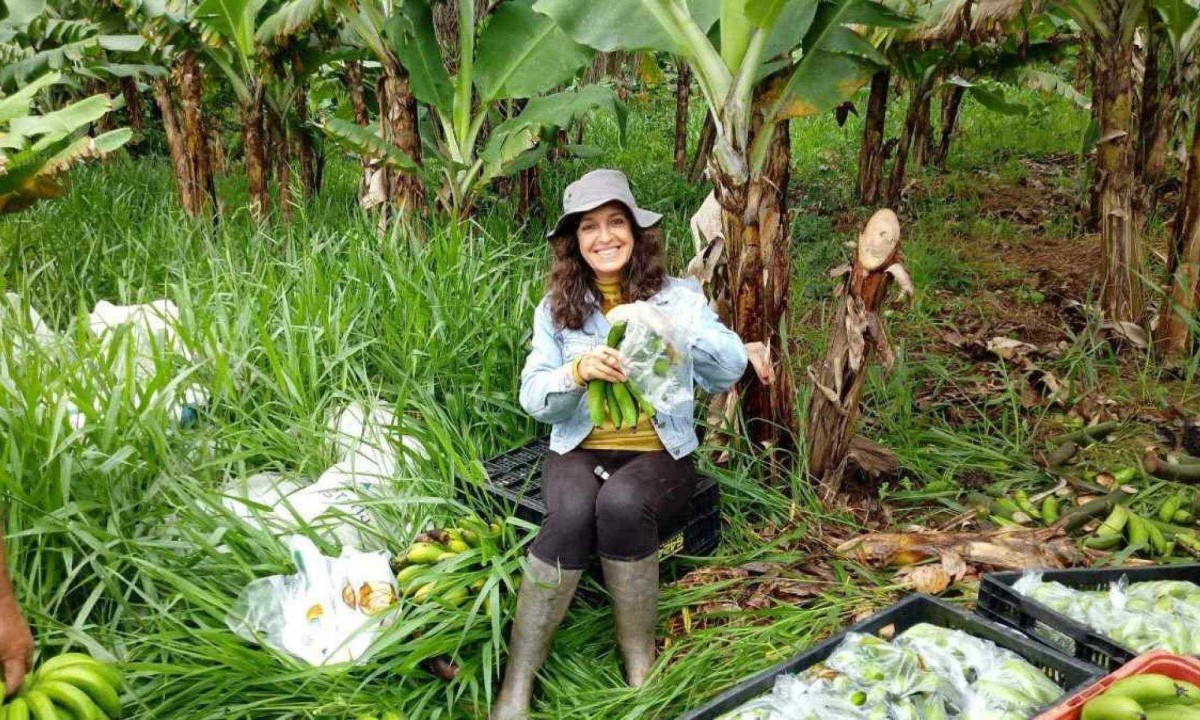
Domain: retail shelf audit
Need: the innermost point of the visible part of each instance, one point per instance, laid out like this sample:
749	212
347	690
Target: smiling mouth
609	252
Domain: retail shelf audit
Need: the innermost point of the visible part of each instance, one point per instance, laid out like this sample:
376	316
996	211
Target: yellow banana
40	707
18	709
424	553
1155	689
1112	707
60	661
1172	712
91	682
108	673
422	594
73	699
4	712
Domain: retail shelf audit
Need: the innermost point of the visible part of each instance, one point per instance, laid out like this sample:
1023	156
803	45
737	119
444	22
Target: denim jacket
549	392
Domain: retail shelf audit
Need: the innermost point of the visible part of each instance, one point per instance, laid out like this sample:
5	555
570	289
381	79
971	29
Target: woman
607	491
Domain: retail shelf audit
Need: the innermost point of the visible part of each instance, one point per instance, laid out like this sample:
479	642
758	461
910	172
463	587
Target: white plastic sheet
329	611
337	502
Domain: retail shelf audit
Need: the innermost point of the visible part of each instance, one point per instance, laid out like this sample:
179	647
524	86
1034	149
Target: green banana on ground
1027	507
1157	540
1115	523
1050	510
1137	532
1166	512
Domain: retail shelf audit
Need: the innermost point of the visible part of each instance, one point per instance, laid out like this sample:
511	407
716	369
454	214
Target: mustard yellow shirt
642	437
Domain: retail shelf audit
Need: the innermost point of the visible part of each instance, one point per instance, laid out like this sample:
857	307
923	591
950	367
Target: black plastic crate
514	481
1000	602
1070	674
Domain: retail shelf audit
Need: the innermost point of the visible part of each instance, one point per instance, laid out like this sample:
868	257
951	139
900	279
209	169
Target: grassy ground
116	529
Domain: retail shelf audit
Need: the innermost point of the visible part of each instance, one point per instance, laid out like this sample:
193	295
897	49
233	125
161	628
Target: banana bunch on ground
1162	523
72	686
623	403
1145	697
423	572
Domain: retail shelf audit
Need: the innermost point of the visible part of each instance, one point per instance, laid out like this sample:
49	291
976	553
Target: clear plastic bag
927	673
329	612
1157	615
658	355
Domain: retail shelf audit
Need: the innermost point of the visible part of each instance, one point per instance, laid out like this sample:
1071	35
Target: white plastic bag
338	501
28	324
329	612
153	327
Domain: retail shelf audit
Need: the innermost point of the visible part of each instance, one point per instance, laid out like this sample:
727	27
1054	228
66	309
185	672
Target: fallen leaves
1002	549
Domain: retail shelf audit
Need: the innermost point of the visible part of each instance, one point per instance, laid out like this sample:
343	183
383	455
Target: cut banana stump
72	686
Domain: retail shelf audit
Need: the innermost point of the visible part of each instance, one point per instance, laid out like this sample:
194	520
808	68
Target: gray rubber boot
545	594
634	587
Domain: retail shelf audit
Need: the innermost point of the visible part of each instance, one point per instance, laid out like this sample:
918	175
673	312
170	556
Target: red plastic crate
1179	667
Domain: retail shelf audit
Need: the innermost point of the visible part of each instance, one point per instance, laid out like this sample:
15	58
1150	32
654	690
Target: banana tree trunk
175	146
682	92
951	102
870	152
857	331
704	146
399	118
1113	95
923	132
194	137
279	159
1174	339
1083	68
529	192
900	166
254	145
133	108
357	91
304	151
751	289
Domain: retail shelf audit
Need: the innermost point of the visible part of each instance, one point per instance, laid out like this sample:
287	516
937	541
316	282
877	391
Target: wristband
575	371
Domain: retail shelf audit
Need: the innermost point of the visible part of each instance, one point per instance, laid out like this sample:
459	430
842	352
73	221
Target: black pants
618	517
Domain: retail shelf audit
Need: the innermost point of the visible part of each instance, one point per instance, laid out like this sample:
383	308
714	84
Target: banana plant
768	62
1110	28
36	150
1175	335
512	54
83	37
227	28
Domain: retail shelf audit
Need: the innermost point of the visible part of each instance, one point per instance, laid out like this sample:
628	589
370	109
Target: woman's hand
16	644
601	363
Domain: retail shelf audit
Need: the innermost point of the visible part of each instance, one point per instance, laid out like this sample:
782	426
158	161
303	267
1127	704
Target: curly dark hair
571	277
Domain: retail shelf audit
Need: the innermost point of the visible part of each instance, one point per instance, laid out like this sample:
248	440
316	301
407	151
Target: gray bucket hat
600	187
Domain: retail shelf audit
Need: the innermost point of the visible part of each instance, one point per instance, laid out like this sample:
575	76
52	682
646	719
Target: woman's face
606	240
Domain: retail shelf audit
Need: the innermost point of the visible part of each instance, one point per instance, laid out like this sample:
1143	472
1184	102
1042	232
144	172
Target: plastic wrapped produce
1156	615
927	673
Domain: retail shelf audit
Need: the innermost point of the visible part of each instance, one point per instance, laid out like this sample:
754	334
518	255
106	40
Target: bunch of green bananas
72	686
1139	533
421	569
622	403
1145	697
